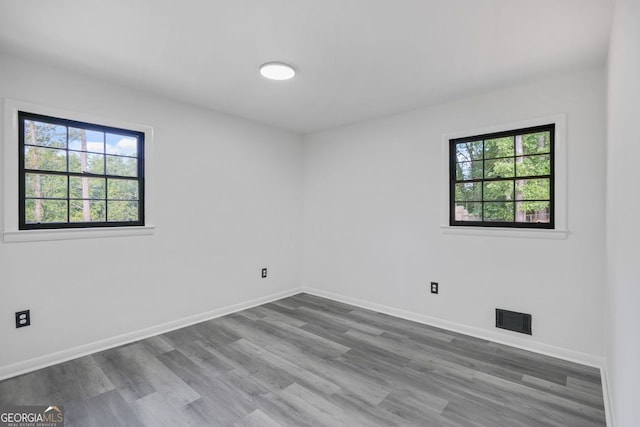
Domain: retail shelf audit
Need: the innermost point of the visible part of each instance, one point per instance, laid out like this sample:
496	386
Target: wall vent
513	321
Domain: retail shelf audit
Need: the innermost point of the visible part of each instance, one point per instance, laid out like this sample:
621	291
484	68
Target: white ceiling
356	59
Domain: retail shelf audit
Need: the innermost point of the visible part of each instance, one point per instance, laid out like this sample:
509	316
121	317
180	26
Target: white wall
623	234
371	223
372	215
228	201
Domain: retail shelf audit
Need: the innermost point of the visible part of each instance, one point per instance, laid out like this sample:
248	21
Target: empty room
319	213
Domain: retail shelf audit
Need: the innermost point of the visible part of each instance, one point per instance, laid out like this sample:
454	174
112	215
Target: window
74	174
503	179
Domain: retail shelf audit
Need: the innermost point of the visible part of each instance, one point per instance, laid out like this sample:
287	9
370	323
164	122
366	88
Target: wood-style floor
309	361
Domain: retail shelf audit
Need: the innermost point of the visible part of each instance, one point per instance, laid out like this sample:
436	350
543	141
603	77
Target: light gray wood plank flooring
309	361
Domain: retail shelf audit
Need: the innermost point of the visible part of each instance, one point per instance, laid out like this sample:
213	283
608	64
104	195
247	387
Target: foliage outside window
503	179
77	175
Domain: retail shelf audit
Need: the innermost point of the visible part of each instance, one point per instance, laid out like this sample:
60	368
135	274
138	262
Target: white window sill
72	234
506	232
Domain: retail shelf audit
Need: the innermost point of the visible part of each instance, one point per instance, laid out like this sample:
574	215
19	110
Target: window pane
534	143
469	191
86	140
468	151
498	147
81	162
498	190
122	166
533	189
122	189
468	211
498	168
123	211
46	159
533	165
533	212
86	188
45	186
468	170
45	211
74	175
498	212
505	178
123	145
45	134
88	211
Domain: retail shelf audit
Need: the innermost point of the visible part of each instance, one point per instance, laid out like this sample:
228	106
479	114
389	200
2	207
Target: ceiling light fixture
277	71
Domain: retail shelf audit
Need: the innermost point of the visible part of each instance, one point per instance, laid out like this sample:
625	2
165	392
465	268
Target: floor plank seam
306	360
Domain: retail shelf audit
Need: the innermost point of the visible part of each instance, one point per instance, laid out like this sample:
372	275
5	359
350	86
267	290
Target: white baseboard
498	337
85	349
608	398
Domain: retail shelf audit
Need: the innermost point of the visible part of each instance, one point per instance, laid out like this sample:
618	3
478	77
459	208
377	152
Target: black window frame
22	172
550	127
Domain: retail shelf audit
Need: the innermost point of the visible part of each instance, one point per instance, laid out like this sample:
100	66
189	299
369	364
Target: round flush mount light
277	71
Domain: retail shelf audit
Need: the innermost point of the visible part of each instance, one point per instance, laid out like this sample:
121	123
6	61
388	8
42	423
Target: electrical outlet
434	287
23	318
264	273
